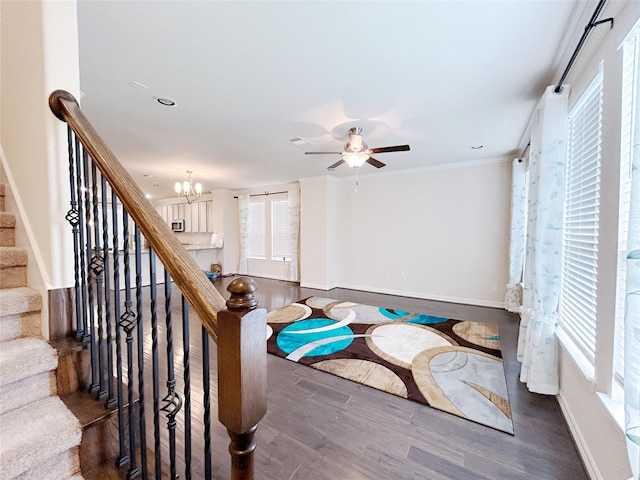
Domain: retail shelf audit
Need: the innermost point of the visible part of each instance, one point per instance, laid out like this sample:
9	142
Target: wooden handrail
194	285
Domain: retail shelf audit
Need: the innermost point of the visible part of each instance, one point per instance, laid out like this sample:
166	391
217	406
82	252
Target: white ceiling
442	76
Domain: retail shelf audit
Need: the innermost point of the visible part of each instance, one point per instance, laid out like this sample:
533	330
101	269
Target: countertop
188	246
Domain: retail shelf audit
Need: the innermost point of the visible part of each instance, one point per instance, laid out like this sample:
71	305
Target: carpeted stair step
59	467
13	267
21	300
35	434
39	436
3	192
7	229
19	313
19	325
26	370
30	389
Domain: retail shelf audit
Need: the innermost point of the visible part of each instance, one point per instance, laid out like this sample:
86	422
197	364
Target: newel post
242	373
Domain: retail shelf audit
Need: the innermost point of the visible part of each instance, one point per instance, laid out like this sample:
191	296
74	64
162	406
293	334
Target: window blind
629	105
257	230
280	230
581	218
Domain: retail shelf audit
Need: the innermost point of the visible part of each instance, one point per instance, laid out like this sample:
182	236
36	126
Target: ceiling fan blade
398	148
322	153
375	163
335	165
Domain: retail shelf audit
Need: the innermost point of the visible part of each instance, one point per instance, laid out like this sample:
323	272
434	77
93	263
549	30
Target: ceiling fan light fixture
355	160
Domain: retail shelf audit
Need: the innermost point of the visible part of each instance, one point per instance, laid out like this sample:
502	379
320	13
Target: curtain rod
263	194
592	23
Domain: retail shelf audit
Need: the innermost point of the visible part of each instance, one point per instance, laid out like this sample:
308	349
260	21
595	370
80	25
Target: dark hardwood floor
321	427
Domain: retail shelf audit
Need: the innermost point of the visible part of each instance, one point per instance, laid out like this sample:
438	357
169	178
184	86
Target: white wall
225	220
39	54
438	233
585	403
318	236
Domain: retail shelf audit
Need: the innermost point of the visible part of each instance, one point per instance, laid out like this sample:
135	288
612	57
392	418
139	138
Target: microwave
177	225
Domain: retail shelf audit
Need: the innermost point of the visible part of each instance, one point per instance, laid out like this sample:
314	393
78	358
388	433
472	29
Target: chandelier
186	189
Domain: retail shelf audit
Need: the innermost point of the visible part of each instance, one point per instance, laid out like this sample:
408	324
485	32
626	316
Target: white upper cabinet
165	213
198	216
202	217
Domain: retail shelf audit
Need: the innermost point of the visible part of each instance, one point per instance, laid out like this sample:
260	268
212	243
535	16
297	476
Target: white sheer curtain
243	225
513	297
293	197
632	313
537	348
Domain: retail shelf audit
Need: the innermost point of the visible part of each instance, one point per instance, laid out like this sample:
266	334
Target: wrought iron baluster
206	386
155	364
140	332
172	401
187	387
97	267
128	323
111	399
85	336
72	218
95	373
123	459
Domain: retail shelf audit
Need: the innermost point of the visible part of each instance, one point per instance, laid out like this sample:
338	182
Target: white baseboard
318	286
425	296
585	454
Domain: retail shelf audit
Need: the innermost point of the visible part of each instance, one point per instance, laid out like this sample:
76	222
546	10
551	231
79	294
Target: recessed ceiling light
165	101
148	195
476	147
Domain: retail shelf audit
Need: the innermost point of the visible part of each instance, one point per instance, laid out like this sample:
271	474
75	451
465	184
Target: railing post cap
242	298
55	102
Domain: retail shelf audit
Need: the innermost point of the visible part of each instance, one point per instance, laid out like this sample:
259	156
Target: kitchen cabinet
194	214
165	213
197	216
210	216
178	211
202	217
186	215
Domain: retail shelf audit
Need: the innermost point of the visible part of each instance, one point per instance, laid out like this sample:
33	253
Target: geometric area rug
451	365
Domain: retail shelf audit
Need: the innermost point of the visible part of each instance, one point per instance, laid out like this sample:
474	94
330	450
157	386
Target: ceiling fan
356	152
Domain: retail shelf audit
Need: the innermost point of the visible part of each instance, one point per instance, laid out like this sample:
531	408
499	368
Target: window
269	228
257	229
581	218
629	104
280	230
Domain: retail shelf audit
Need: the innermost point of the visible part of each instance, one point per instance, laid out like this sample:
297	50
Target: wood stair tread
86	408
66	345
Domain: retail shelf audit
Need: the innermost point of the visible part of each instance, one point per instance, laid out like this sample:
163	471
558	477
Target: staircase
39	437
